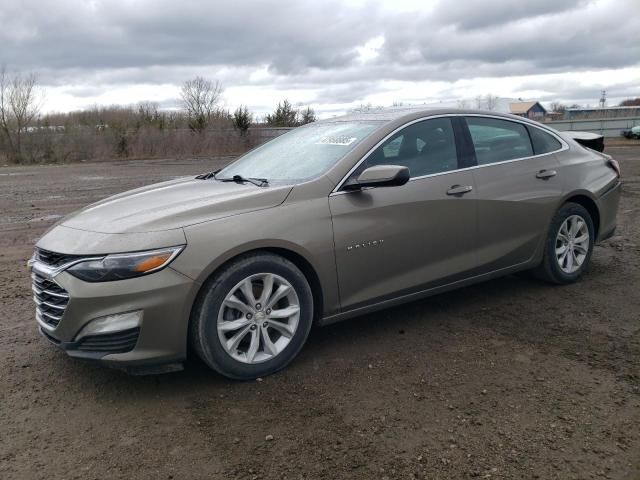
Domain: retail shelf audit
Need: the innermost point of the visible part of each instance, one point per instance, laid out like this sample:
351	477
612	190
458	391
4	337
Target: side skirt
374	307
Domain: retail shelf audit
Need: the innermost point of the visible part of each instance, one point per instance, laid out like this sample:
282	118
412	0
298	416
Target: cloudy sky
331	54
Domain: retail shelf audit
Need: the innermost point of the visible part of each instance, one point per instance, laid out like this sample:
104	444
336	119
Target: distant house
531	110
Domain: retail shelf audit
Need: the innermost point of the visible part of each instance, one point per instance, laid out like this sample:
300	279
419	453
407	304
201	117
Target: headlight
124	265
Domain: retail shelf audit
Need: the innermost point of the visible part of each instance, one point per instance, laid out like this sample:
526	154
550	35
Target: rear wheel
253	317
569	245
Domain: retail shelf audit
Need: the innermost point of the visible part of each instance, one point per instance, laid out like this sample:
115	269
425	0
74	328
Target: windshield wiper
208	175
258	182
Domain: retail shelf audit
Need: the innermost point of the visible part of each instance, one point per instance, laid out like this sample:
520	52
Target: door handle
459	189
546	174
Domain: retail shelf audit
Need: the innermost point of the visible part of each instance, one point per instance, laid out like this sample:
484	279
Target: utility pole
603	98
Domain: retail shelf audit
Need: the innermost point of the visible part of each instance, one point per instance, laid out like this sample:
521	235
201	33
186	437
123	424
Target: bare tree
148	113
631	102
463	104
20	103
200	98
491	101
366	107
557	107
488	102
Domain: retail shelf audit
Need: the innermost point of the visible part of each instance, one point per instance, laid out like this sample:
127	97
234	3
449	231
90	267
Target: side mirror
380	176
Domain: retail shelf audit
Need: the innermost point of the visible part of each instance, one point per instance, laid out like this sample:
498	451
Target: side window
425	147
543	142
498	140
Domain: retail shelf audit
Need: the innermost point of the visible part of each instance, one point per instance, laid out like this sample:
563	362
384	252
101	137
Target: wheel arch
310	274
590	205
289	252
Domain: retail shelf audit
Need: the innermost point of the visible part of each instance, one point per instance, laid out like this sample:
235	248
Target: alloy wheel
572	244
258	318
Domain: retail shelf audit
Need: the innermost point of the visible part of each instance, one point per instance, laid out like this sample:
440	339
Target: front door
391	241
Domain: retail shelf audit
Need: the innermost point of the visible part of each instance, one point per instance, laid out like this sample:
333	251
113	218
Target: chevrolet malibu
331	220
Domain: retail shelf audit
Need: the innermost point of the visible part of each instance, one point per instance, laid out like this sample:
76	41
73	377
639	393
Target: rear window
543	142
498	140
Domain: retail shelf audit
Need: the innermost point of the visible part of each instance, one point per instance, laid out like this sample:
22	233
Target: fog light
111	323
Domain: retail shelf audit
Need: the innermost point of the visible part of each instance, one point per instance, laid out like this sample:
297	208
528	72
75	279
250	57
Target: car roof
402	114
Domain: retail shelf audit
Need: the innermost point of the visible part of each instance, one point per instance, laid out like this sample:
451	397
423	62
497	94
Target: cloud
120	34
489	13
331	52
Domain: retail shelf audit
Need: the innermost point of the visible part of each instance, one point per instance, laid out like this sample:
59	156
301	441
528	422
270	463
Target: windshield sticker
339	140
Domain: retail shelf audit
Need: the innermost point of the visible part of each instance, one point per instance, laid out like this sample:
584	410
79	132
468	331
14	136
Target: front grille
54	259
51	300
117	342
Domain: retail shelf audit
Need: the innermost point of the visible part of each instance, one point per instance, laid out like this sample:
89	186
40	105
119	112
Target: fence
262	134
608	127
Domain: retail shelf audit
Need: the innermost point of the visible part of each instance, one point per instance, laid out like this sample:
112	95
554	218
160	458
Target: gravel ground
509	379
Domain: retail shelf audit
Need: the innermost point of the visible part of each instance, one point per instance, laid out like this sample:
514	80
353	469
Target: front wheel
253	317
569	245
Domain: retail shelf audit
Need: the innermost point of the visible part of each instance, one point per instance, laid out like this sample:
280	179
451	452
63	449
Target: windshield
301	154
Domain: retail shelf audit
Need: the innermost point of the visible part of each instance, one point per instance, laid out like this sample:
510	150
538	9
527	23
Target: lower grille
50	298
53	340
118	342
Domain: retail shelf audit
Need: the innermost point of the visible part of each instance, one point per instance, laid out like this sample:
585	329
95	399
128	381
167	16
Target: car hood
174	204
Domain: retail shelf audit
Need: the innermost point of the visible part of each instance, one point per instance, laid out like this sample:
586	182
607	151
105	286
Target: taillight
615	165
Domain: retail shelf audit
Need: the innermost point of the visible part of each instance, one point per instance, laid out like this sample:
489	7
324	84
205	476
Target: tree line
200	127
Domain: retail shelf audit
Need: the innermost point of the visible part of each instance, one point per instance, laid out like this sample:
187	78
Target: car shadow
412	321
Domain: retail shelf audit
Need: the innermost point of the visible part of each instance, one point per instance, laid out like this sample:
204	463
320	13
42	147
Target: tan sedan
335	219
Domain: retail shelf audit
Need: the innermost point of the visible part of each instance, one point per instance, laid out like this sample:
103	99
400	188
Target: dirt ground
508	379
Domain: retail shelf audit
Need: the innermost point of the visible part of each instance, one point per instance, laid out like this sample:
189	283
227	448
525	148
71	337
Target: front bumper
163	300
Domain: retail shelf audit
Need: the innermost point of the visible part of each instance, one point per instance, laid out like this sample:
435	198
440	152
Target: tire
221	315
559	269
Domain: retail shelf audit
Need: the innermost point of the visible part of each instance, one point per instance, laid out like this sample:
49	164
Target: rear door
391	241
518	185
